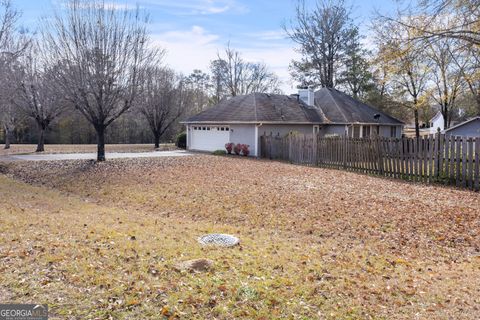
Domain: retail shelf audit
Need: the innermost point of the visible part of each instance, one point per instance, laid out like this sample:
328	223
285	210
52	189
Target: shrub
219	152
181	141
229	147
237	148
245	150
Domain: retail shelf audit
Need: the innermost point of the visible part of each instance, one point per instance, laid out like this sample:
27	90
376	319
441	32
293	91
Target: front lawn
99	241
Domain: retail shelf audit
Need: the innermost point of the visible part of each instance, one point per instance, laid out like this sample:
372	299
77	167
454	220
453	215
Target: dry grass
81	148
101	241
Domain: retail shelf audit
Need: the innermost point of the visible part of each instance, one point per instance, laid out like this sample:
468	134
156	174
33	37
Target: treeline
421	60
91	74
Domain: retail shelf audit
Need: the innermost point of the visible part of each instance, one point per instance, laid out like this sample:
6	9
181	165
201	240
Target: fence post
380	155
437	156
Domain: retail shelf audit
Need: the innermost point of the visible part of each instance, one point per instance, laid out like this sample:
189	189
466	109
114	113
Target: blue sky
193	31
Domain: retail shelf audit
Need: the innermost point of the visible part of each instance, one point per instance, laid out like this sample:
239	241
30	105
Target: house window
316	129
208	128
378	130
227	128
366	131
393	132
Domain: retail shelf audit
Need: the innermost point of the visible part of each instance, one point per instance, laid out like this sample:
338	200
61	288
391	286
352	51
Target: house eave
292	122
462	124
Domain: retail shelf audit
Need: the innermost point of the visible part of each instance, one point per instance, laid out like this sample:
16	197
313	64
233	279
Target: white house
437	122
243	119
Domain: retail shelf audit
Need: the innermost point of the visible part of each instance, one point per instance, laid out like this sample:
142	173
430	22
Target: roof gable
339	107
464	123
260	107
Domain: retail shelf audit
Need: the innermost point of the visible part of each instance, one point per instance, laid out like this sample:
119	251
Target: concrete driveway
88	156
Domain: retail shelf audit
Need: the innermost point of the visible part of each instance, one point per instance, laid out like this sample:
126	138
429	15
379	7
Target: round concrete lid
218	239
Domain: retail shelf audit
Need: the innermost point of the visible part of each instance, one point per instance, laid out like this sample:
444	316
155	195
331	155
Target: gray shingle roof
339	107
260	107
332	106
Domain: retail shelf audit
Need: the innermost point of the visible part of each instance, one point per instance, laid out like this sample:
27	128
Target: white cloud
116	5
196	47
199	7
120	5
268	35
188	49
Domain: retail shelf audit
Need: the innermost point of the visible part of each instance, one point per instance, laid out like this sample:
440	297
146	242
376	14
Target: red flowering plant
245	150
237	148
229	147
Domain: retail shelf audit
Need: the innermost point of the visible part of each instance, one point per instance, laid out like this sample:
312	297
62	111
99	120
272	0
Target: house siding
385	131
470	129
244	134
437	122
284	129
335	129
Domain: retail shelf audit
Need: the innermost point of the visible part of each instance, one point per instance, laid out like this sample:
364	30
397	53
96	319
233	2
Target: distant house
243	119
469	128
437	122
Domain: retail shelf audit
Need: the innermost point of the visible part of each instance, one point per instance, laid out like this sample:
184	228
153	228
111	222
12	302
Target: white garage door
209	138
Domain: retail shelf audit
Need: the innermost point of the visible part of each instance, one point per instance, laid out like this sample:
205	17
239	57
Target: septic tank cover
218	239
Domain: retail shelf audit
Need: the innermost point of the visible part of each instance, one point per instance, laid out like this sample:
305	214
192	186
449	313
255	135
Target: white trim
256	141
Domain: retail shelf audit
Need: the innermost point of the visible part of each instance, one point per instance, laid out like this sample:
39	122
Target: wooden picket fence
431	159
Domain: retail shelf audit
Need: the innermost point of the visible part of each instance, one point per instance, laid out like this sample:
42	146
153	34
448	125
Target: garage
209	138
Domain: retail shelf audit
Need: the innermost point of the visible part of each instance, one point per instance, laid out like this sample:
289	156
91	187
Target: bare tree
102	50
463	17
12	45
447	74
162	101
10	118
408	63
39	96
200	85
237	76
322	33
468	60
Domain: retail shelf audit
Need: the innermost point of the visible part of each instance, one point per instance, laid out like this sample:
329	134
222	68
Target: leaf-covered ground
100	241
80	148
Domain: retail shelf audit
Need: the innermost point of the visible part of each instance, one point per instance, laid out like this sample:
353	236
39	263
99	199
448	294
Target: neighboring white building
244	119
437	122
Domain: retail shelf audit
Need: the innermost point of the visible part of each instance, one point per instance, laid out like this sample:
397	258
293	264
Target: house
244	119
437	122
469	128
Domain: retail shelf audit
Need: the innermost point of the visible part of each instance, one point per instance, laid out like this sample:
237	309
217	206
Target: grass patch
99	241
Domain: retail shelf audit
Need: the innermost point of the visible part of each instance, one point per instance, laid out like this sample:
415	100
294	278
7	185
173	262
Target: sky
194	31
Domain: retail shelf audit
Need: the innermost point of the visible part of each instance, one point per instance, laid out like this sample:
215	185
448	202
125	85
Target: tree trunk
446	118
41	140
100	143
417	124
157	139
7	138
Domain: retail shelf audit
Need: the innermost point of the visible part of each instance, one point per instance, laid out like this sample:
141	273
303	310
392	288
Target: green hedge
181	140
